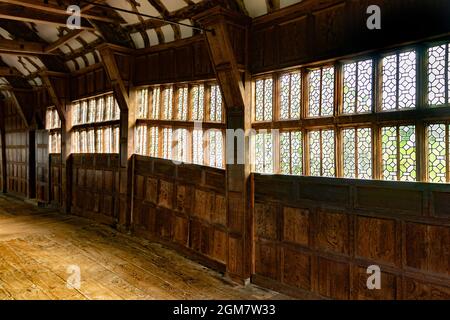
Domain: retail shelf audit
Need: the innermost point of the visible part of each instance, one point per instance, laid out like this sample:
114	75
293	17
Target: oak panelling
186	62
56	195
93	81
17	151
183	206
318	30
95	192
42	166
317	237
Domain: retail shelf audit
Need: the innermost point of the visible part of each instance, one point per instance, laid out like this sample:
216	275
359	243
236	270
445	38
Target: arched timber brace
228	58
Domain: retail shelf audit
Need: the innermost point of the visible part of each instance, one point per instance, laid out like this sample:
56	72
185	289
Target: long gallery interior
123	151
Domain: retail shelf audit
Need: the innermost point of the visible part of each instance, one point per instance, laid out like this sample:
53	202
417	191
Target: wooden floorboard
37	246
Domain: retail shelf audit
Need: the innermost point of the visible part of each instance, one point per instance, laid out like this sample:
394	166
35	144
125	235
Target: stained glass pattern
314	93
264	153
215	109
290	95
264	99
357	91
182	103
437	153
437	71
198	102
399	81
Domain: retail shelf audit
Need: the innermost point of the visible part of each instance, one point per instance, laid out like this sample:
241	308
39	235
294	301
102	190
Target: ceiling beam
23	14
22	47
62	40
36	5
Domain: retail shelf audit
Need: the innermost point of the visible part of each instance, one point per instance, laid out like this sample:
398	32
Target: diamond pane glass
143	103
437	69
156	102
315	154
290	95
167	143
389	83
264	100
407	153
349	87
349	141
365	86
215	109
198	102
181	145
314	93
215	148
389	150
291	152
182	103
437	156
407	80
153	138
328	167
197	144
327	92
364	136
168	103
264	153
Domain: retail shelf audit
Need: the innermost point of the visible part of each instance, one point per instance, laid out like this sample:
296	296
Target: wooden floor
37	246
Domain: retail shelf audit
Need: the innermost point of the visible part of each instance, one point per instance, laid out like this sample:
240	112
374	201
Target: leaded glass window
322	153
357	153
438	152
167	143
198	102
197	145
358	87
438	75
142	104
290	95
168	103
264	153
215	147
156	102
181	145
215	108
321	92
291	152
153	138
182	104
399	153
264	99
399	81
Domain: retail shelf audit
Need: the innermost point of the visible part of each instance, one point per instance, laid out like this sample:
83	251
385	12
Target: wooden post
3	147
119	75
228	56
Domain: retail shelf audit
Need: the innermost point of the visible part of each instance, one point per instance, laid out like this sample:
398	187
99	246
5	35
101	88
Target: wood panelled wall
316	237
182	205
56	171
17	151
95	186
185	62
318	30
89	83
42	166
